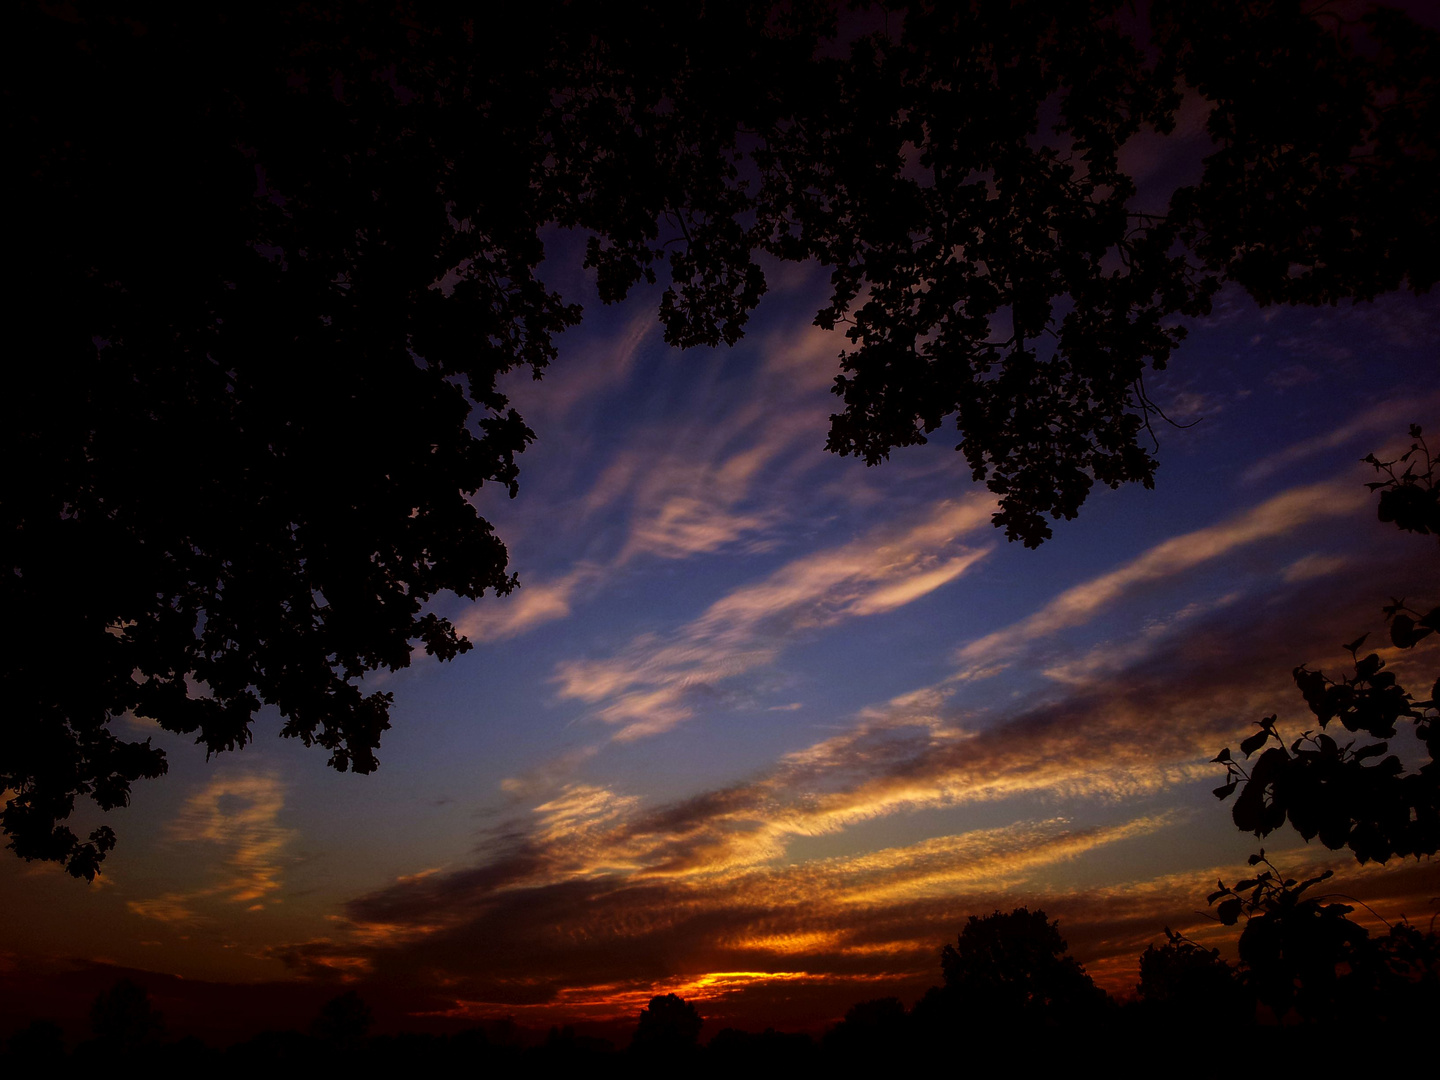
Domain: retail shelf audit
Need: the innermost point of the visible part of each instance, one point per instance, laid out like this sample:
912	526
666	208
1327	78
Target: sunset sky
763	725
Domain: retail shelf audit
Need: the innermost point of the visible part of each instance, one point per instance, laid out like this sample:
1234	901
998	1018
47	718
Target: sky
762	726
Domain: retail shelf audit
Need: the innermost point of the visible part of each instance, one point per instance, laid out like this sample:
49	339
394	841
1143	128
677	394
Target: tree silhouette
1182	982
871	1030
123	1020
277	259
40	1044
668	1028
343	1023
1015	968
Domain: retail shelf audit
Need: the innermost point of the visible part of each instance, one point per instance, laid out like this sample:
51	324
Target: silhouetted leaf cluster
1356	794
1300	952
1303	955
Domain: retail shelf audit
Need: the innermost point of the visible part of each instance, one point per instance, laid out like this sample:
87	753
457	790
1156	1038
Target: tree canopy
668	1027
277	257
1015	967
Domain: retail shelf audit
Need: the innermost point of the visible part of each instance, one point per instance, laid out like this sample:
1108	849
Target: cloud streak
598	900
1380	421
1076	606
650	686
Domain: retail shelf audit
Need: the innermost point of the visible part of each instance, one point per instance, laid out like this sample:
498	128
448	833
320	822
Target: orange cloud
239	814
598	899
533	604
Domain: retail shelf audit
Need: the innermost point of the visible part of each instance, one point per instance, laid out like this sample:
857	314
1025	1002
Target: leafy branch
1339	792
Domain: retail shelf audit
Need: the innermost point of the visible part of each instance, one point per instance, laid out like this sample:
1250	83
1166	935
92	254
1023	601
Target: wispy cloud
598	899
1383	422
533	604
845	920
580	374
690	488
674	489
1078	605
651	685
239	816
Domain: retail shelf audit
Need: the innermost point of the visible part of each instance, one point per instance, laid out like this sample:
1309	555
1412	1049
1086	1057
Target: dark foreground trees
1012	999
669	1029
1010	972
1300	948
275	258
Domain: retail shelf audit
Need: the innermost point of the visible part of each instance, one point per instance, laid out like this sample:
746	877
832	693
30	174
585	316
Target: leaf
1224	790
1354	646
1373	750
1223	756
1402	631
1229	912
1254	742
1260	808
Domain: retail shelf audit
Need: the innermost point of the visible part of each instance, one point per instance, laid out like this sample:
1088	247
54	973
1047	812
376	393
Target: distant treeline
1011	997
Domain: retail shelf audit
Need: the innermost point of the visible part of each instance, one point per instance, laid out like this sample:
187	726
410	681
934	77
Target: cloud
548	775
1312	566
652	685
690	489
532	604
674	490
805	356
1384	422
1130	720
578	376
239	815
1274	517
601	945
1105	660
598	900
679	526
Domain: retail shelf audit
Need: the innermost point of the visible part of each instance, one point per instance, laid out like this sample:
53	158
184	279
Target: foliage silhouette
669	1027
1182	982
40	1044
1335	792
265	314
1304	956
343	1023
1014	969
771	1052
123	1020
1385	987
1303	953
870	1029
